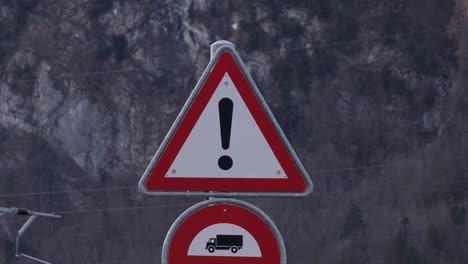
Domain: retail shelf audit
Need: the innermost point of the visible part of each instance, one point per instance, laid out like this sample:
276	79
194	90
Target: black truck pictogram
225	242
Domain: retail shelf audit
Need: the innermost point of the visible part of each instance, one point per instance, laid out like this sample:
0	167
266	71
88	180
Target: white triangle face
251	155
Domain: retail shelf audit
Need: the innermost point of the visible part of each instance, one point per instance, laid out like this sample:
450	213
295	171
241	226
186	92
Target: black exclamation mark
225	107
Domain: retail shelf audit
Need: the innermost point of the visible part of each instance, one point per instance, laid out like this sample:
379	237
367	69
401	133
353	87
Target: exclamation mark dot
225	107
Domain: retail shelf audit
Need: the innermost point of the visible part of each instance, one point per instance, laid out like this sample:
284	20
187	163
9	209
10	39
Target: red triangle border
156	180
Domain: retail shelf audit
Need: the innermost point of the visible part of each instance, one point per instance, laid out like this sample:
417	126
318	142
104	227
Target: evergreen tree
434	238
401	243
458	215
353	221
413	256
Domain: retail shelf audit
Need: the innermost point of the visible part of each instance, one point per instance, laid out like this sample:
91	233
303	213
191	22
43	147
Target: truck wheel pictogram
211	249
234	250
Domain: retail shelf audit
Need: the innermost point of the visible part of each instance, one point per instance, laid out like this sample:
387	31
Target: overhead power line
325	171
426	188
63	76
104	72
68	191
388	164
123	208
405	35
107	209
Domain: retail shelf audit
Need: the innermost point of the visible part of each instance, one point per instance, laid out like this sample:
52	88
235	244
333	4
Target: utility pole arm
32	216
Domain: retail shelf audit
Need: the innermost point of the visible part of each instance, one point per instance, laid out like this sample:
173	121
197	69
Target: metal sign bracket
32	216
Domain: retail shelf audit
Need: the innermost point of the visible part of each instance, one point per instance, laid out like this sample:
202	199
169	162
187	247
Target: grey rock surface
371	94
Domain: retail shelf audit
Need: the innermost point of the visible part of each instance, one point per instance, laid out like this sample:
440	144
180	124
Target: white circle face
223	240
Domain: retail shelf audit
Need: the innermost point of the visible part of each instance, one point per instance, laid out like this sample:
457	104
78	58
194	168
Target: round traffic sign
224	231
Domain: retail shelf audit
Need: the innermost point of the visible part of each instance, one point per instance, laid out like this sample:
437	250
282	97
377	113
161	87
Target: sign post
225	142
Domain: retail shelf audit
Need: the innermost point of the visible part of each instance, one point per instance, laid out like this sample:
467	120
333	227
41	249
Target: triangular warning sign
226	141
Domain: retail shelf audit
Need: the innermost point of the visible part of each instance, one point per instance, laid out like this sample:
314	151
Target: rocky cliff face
371	94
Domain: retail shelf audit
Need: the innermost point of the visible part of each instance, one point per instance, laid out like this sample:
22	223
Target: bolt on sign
224	231
226	141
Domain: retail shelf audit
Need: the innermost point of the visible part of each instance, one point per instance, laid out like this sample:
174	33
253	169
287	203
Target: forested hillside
371	94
